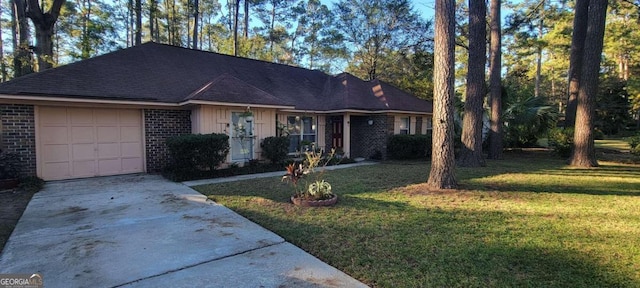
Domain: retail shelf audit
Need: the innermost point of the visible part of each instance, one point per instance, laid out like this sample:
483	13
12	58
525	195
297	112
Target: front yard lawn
527	220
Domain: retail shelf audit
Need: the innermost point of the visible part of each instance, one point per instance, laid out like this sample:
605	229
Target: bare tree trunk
495	83
471	153
44	23
235	28
138	22
196	14
246	19
86	48
442	175
152	18
3	66
575	59
22	60
584	152
536	91
130	25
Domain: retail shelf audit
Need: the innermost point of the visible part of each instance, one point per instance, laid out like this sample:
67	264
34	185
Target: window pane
308	126
293	125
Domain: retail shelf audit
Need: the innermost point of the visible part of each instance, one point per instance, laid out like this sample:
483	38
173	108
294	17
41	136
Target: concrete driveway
145	231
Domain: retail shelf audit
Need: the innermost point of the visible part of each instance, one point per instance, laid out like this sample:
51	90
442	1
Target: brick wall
19	135
159	125
367	140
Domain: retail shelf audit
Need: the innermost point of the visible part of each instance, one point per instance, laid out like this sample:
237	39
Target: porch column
346	134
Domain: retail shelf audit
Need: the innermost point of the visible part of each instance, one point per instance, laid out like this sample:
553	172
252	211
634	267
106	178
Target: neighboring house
112	114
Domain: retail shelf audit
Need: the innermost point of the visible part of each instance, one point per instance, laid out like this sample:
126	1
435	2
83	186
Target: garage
88	142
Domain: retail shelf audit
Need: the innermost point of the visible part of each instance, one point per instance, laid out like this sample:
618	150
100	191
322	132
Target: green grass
613	144
526	221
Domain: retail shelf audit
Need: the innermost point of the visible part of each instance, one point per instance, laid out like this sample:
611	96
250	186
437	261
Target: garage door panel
110	167
54	135
84	168
56	153
108	150
130	117
56	171
108	134
132	165
130	134
82	134
53	115
108	116
131	150
81	116
86	142
83	151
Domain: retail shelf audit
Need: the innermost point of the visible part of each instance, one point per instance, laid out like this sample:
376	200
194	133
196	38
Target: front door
241	137
336	134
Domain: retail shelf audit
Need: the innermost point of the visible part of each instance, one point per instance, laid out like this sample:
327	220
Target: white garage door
87	142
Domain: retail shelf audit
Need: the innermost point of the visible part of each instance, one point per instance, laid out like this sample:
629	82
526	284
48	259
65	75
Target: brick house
112	114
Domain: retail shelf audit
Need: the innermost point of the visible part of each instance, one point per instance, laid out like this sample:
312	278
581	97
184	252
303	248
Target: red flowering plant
318	188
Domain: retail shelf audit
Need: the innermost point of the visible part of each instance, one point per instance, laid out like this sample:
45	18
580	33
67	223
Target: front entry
241	137
336	133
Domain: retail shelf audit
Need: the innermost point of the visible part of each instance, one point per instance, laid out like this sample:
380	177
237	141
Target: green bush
9	165
194	153
561	141
31	184
275	149
634	142
401	147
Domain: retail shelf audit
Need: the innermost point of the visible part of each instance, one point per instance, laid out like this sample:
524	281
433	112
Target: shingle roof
154	72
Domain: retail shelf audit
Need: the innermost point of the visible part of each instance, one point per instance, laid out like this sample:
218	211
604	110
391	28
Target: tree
495	83
376	27
471	152
442	174
575	59
22	61
196	12
584	154
138	22
44	23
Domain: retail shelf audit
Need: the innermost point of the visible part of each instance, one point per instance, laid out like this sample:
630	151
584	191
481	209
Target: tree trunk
575	59
152	18
442	174
246	19
584	154
196	14
536	91
44	24
471	153
495	83
22	60
86	48
3	66
138	22
235	28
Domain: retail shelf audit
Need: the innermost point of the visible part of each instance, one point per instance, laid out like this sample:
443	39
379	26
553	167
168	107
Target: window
404	125
302	132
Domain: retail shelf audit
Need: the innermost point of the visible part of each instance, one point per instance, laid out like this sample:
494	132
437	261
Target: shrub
197	152
561	141
634	142
402	147
9	165
275	149
31	184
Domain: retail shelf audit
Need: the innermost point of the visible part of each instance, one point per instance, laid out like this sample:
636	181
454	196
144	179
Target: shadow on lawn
391	244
